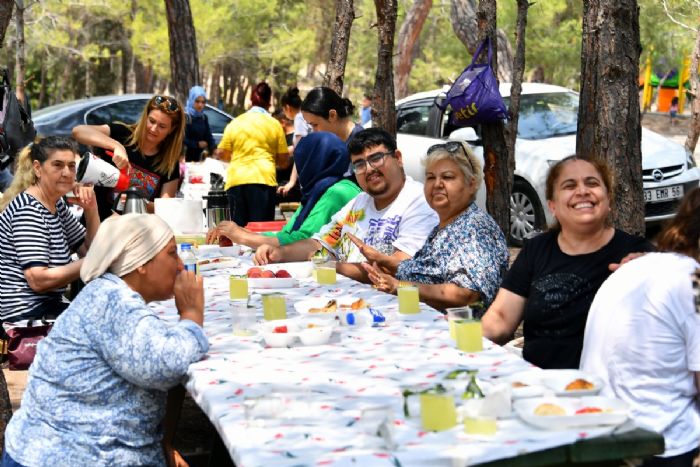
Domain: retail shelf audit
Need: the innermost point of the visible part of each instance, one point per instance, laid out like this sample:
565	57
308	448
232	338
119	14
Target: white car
546	134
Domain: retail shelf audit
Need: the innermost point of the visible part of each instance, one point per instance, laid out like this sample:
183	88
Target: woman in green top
321	159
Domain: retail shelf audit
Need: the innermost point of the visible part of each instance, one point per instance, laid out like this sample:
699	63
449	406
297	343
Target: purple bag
22	342
474	97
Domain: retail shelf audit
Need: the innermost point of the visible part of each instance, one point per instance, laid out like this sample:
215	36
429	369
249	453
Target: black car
61	118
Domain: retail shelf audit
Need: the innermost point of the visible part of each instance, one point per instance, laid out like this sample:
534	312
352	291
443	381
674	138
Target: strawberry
280	330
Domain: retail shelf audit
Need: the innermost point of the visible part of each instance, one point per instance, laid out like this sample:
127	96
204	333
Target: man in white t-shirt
391	215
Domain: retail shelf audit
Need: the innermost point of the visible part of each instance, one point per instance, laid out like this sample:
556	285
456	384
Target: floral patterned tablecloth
332	393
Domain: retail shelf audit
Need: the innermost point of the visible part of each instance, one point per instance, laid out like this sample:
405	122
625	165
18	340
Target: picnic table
363	371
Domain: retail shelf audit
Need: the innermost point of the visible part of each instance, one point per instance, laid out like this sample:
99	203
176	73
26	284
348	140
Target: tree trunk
608	118
511	129
464	25
344	16
214	88
20	54
498	175
6	7
408	40
383	102
43	94
694	130
184	63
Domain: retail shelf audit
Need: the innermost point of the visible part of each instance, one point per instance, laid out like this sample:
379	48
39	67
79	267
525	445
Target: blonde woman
38	234
151	148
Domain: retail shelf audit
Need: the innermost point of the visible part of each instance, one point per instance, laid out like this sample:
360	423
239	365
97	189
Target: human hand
173	457
189	296
85	196
381	280
266	254
615	266
284	189
372	255
119	156
202	144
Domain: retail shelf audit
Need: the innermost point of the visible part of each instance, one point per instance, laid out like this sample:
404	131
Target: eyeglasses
375	161
453	147
166	103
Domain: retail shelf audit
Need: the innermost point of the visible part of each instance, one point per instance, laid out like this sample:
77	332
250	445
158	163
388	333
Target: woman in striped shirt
38	234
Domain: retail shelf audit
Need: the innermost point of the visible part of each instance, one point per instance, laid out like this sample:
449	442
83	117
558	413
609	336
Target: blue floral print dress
470	252
97	389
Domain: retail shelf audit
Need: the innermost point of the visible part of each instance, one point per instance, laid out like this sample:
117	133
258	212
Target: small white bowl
279	339
317	335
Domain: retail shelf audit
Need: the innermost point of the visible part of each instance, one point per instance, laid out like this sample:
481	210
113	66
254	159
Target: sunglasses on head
169	104
453	147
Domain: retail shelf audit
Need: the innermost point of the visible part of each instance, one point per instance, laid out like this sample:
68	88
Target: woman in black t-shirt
152	149
553	280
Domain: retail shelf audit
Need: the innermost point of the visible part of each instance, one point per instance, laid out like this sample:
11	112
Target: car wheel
526	214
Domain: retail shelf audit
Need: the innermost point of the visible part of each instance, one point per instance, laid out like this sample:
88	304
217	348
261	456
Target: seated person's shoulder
631	243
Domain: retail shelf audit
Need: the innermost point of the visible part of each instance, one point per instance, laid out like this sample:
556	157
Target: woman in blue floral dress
96	393
464	258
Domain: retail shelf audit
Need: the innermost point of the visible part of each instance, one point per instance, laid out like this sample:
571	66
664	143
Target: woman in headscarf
321	159
96	393
198	137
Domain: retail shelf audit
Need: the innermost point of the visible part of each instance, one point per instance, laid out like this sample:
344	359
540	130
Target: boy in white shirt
391	215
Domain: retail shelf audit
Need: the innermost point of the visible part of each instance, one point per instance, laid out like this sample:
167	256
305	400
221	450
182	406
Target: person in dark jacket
198	137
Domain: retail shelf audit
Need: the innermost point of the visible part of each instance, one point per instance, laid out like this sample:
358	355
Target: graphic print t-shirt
403	225
143	172
559	289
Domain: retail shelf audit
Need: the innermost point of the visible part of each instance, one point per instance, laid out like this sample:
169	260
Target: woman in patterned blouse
96	393
465	256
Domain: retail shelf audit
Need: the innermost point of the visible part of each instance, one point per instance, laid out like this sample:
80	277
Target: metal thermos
217	208
135	201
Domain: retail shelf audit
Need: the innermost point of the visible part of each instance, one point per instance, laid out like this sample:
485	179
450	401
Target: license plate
655	195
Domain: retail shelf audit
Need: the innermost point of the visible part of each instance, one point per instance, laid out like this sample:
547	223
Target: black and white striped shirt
30	236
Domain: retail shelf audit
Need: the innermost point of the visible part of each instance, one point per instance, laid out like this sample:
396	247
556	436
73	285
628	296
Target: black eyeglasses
453	147
166	103
375	161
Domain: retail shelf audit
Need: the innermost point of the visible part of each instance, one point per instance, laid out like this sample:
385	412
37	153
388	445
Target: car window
217	120
547	115
413	119
124	111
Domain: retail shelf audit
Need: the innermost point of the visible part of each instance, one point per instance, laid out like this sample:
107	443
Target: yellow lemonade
437	411
274	307
243	332
238	287
468	335
408	300
480	426
453	331
325	275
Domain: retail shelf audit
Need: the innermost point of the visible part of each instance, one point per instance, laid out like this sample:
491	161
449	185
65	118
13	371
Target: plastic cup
409	300
454	314
274	307
468	335
238	287
324	272
437	411
242	318
480	426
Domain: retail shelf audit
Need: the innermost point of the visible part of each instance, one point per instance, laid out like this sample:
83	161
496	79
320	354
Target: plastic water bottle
188	257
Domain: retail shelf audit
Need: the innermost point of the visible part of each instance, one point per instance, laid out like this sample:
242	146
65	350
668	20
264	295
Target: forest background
94	47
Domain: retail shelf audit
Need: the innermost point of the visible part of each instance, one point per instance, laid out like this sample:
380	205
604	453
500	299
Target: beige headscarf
124	243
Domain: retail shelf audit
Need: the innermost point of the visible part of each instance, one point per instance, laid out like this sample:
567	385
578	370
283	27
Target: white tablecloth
334	385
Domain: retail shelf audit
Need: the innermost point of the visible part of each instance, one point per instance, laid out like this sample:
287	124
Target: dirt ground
195	433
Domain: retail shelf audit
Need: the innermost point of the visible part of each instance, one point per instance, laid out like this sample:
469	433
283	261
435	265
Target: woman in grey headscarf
96	393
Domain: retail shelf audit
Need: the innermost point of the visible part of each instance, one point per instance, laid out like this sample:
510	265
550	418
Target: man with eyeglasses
391	215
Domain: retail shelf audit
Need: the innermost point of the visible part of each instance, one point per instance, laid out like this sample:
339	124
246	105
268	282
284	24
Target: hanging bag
474	98
22	342
16	126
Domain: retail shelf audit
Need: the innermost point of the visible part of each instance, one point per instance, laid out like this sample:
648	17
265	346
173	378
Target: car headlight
690	159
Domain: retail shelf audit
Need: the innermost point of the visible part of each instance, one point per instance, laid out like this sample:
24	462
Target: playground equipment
670	85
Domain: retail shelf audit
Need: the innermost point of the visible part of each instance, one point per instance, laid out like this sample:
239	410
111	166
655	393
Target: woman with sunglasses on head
151	149
255	145
550	286
198	137
465	256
